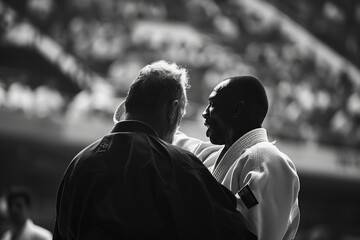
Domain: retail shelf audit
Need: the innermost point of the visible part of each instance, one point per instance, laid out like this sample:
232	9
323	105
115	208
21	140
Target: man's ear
239	108
172	110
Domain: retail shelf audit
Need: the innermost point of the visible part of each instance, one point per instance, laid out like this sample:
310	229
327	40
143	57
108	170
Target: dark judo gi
132	185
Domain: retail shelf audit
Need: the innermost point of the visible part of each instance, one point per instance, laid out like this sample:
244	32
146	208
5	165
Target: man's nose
205	113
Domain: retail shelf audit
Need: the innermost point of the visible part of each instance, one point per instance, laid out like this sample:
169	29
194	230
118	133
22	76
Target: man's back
132	185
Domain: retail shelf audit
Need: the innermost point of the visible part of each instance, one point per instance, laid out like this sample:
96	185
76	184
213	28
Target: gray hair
157	84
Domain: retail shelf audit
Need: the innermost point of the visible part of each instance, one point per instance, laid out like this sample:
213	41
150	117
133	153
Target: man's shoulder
185	157
269	153
267	148
84	154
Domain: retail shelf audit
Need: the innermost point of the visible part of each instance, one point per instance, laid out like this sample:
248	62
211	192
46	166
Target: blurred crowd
309	100
334	22
214	40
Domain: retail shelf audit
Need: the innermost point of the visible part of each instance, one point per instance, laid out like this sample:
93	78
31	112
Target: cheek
221	128
218	119
221	125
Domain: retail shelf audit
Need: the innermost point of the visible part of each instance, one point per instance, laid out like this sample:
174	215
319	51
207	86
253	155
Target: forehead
219	91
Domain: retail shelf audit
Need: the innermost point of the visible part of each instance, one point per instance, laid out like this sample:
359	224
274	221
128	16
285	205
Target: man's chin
209	133
212	137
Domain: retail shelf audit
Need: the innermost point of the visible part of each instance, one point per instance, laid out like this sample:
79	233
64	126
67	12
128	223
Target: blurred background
65	65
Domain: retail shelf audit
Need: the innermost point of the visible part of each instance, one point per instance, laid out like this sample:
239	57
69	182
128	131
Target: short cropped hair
252	91
157	84
16	193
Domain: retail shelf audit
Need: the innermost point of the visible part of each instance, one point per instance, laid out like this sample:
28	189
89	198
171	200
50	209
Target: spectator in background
21	226
4	220
2	95
241	157
133	184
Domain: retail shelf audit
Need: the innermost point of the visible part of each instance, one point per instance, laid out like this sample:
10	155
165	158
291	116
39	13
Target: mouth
207	124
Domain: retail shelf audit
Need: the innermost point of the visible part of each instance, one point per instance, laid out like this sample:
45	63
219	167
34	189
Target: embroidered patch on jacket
247	196
103	146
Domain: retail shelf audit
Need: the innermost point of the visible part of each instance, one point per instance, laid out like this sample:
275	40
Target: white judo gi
263	179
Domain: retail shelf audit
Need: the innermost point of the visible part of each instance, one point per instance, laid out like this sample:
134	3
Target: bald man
240	156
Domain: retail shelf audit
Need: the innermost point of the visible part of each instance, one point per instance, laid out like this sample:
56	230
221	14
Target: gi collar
133	126
237	149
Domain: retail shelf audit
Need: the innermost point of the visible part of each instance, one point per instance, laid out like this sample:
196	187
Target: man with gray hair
133	184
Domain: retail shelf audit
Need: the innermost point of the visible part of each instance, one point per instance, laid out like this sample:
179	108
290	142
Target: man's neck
155	121
238	133
221	156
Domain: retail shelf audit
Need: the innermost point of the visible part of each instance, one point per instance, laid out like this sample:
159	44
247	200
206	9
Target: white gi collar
234	152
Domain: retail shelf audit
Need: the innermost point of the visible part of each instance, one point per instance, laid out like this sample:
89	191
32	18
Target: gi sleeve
268	192
201	149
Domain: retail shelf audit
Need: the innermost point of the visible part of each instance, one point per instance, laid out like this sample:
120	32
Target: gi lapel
234	152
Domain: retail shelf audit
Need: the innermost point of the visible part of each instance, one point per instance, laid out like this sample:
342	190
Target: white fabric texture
252	160
29	231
